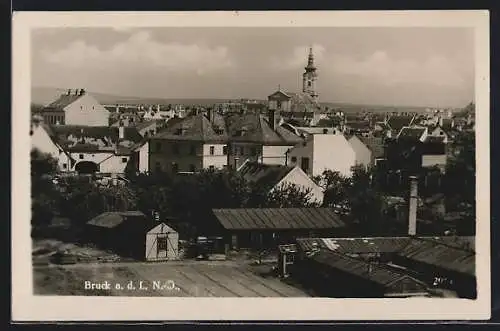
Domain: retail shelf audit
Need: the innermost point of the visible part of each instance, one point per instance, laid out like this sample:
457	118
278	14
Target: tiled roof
255	128
375	144
441	255
434	139
196	128
452	253
411	133
303	102
396	122
374	273
63	101
113	219
278	218
264	174
358	125
72	135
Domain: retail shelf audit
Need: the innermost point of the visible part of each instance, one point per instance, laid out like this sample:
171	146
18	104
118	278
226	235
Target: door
162	246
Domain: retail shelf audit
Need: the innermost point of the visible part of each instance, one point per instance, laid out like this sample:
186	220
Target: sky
380	66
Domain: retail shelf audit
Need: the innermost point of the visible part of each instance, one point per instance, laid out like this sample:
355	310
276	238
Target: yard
180	279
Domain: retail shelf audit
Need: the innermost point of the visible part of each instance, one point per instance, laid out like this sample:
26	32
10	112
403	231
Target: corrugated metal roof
439	254
374	273
278	218
452	253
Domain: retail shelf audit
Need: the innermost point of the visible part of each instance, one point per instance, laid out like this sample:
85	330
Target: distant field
179	279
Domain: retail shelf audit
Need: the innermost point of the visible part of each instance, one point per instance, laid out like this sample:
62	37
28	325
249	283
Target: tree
289	196
335	185
44	196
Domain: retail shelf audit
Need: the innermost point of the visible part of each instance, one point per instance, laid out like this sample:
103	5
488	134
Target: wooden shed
162	243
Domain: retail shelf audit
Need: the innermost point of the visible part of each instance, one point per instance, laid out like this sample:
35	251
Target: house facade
274	177
364	155
76	108
87	149
320	152
256	138
197	142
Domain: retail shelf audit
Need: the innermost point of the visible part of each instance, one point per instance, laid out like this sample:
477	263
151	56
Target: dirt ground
184	279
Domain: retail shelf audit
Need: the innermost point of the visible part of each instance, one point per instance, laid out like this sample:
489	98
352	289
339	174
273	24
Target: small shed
162	243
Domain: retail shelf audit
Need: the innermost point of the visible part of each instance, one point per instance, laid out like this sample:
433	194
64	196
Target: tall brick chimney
273	118
412	206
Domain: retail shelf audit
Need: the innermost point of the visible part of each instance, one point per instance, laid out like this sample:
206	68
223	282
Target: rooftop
278	218
264	174
114	219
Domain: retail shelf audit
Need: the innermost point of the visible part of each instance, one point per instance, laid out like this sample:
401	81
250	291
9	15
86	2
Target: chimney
77	91
412	206
211	114
121	131
273	119
236	159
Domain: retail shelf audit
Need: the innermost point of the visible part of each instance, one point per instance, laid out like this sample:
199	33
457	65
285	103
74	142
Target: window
441	133
175	149
162	243
80	156
192	168
212	150
309	83
254	151
224	150
124	160
294	159
65	166
278	104
93	107
158	146
175	168
81	107
158	166
192	150
305	164
211	168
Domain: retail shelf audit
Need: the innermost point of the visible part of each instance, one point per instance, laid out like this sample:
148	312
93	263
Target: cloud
141	51
298	57
435	70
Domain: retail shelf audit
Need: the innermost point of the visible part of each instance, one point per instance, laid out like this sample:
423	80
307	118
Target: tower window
309	83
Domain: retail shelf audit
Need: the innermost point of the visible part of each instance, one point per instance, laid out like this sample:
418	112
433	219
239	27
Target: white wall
144	158
300	178
274	154
218	160
151	248
108	162
302	150
363	153
86	110
332	152
41	140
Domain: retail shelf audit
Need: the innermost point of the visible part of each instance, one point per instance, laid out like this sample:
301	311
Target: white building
76	108
321	152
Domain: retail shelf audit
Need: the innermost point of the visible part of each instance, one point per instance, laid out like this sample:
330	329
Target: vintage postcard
251	166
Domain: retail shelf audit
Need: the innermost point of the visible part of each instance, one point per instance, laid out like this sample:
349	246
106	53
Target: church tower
309	77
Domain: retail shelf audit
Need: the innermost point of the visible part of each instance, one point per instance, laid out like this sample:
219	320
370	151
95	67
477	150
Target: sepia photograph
193	159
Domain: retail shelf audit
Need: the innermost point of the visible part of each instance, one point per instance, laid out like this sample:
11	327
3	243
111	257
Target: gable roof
196	128
61	133
278	218
264	174
62	102
303	102
452	253
397	122
411	133
374	273
359	125
255	128
280	94
114	219
375	144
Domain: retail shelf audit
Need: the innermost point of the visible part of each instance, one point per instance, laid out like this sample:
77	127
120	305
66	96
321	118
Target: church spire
310	76
310	60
